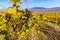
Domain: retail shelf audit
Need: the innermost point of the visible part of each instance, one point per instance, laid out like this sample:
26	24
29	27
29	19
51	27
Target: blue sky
33	3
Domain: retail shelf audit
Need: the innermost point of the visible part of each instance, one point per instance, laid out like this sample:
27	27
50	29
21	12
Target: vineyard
25	24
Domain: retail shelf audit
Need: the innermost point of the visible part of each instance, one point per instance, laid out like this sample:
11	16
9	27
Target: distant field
49	13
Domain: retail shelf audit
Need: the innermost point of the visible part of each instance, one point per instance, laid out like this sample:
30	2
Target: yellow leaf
11	10
23	33
18	33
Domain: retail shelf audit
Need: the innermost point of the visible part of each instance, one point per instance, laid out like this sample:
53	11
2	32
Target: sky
32	3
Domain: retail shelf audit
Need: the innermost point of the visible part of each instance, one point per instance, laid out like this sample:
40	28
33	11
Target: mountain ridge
43	8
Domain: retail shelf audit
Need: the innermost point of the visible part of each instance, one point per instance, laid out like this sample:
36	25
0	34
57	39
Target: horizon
32	3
